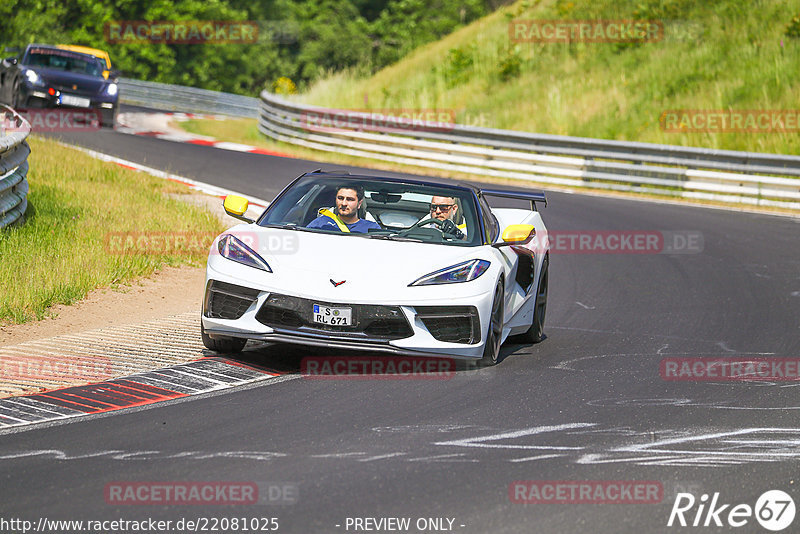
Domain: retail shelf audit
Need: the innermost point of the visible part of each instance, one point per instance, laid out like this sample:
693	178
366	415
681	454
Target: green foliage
301	40
458	65
726	54
793	29
406	24
510	65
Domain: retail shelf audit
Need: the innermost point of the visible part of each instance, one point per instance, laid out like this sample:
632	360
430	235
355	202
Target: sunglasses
443	207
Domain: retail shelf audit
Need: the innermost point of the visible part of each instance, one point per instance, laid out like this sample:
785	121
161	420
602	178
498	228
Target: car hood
307	262
63	79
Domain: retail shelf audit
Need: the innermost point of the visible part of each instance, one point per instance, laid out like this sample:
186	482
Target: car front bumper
233	308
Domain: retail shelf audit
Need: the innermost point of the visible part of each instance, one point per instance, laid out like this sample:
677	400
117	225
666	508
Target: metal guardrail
186	99
720	175
14	151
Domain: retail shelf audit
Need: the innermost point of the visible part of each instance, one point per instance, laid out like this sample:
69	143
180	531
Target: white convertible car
393	265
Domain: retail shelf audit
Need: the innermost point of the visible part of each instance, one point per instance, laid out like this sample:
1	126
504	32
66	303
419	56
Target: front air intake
228	301
453	324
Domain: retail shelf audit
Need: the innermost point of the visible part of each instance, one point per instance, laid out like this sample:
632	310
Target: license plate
333	316
78	102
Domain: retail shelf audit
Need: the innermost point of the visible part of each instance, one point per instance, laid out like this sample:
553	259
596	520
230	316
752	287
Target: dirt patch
170	291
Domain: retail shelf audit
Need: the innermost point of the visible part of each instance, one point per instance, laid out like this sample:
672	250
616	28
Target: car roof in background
59	49
96	52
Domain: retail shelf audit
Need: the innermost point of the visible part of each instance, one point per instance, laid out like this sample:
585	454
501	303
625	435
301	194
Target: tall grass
59	254
725	54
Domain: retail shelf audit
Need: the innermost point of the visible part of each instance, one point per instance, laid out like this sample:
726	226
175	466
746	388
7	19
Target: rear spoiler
533	196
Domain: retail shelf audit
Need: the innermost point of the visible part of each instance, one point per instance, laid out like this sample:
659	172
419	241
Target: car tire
225	345
536	332
491	349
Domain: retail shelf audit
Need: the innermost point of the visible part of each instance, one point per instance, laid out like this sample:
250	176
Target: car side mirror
516	234
236	207
11	60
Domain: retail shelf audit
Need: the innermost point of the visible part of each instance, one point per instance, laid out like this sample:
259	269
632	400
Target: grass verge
76	203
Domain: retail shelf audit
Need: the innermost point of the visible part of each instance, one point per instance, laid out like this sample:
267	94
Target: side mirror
11	60
236	207
517	234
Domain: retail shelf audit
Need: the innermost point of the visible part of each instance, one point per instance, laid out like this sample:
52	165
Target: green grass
60	253
725	54
243	131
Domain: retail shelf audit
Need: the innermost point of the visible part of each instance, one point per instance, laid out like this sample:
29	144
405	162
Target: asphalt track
587	403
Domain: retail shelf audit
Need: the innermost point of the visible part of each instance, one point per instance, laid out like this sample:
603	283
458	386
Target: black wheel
491	349
536	332
227	345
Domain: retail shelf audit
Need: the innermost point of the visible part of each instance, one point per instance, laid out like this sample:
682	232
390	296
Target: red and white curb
157	125
193	378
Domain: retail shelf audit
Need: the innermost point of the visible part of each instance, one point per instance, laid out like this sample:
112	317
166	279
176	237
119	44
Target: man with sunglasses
344	217
446	209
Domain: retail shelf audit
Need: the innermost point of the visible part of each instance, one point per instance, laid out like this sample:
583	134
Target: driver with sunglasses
446	209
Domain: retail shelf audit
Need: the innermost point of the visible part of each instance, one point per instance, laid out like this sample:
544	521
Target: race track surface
588	403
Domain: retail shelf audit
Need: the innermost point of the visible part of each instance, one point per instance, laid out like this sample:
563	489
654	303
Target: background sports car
49	77
406	283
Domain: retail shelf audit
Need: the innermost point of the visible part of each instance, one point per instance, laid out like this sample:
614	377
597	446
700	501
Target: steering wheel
446	226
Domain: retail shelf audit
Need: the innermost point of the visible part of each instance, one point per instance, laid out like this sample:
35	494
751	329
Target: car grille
228	301
454	324
369	321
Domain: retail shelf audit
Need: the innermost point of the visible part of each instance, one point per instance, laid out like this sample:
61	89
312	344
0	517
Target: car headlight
33	77
462	272
235	250
111	89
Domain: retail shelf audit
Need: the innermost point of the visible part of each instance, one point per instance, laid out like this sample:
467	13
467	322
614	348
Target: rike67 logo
774	510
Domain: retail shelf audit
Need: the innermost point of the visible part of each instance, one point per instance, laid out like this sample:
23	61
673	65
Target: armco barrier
14	152
187	99
719	175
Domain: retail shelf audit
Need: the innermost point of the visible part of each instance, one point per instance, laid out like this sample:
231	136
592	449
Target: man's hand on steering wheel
446	226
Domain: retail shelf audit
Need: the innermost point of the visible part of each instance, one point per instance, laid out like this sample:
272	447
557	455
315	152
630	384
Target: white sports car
399	266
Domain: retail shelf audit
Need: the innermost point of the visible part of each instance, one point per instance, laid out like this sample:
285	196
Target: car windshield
64	60
392	210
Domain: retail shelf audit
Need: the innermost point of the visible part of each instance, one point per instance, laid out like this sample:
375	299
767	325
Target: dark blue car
48	77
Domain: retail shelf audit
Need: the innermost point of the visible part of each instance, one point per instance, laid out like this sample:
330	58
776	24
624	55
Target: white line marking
479	441
582	305
723	346
538	457
382	456
441	457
